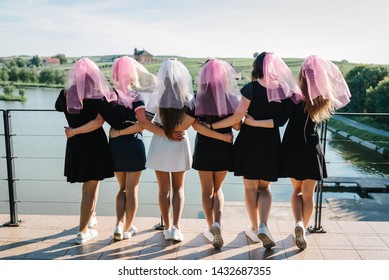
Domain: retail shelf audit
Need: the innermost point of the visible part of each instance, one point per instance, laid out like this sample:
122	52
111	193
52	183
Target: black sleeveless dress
256	149
302	154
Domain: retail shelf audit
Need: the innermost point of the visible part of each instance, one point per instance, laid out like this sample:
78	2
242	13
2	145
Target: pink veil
279	81
217	92
324	79
129	77
86	81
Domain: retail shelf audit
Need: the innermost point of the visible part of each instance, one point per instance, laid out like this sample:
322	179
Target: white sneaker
299	233
177	234
216	230
85	237
93	221
252	234
131	232
265	236
208	235
168	234
118	233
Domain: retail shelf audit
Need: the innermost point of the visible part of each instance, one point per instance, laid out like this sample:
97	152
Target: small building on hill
52	61
143	56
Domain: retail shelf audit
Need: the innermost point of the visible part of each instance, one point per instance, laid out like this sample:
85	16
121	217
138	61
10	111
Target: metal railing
11	180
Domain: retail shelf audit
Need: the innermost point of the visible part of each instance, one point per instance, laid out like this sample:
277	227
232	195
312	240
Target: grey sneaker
208	235
299	233
93	221
216	231
265	236
167	233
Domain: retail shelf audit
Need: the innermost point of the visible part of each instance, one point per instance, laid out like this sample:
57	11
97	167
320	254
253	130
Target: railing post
13	208
317	228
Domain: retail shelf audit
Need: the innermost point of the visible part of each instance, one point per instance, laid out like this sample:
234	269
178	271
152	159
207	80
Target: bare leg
164	196
264	201
251	201
296	200
120	197
207	190
132	184
218	200
88	203
178	197
308	189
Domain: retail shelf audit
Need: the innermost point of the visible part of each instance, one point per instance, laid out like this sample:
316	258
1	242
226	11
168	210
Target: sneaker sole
117	236
300	241
267	242
217	238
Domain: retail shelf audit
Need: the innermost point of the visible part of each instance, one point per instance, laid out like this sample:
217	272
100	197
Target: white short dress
169	156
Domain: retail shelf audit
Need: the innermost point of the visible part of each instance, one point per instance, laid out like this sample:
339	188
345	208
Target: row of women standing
257	154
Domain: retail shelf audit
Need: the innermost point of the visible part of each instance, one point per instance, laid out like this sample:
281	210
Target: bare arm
147	124
88	127
226	137
113	133
269	123
236	117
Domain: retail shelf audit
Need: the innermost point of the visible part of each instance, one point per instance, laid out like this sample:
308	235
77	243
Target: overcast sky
356	30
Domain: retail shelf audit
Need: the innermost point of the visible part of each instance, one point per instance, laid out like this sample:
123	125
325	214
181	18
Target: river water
39	147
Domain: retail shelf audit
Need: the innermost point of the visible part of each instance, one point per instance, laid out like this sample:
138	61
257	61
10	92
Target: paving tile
365	241
16	249
48	251
229	253
310	253
344	254
385	238
120	251
329	240
158	253
379	227
261	253
89	251
195	253
355	227
194	239
376	254
235	240
331	227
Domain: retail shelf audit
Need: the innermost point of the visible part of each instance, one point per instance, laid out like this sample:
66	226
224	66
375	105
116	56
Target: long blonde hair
319	109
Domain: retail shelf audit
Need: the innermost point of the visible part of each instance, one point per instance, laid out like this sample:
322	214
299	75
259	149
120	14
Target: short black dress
128	151
302	154
212	154
257	149
87	155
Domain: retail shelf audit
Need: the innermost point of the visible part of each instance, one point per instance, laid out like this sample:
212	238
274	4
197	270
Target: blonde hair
319	109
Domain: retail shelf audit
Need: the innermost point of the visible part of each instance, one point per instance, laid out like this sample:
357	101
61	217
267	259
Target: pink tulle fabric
174	88
129	77
86	81
218	93
324	79
279	81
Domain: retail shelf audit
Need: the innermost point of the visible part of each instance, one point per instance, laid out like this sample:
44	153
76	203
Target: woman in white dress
170	105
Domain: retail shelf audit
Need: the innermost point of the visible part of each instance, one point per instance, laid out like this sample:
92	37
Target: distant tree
9	89
62	58
34	75
35	61
59	77
13	74
359	79
377	100
256	54
4	75
20	62
24	74
22	92
135	51
46	76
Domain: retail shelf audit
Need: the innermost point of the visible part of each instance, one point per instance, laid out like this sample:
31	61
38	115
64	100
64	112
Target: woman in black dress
257	147
88	159
324	90
217	97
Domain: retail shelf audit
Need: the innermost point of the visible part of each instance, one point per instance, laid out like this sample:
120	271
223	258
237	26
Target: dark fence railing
11	180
